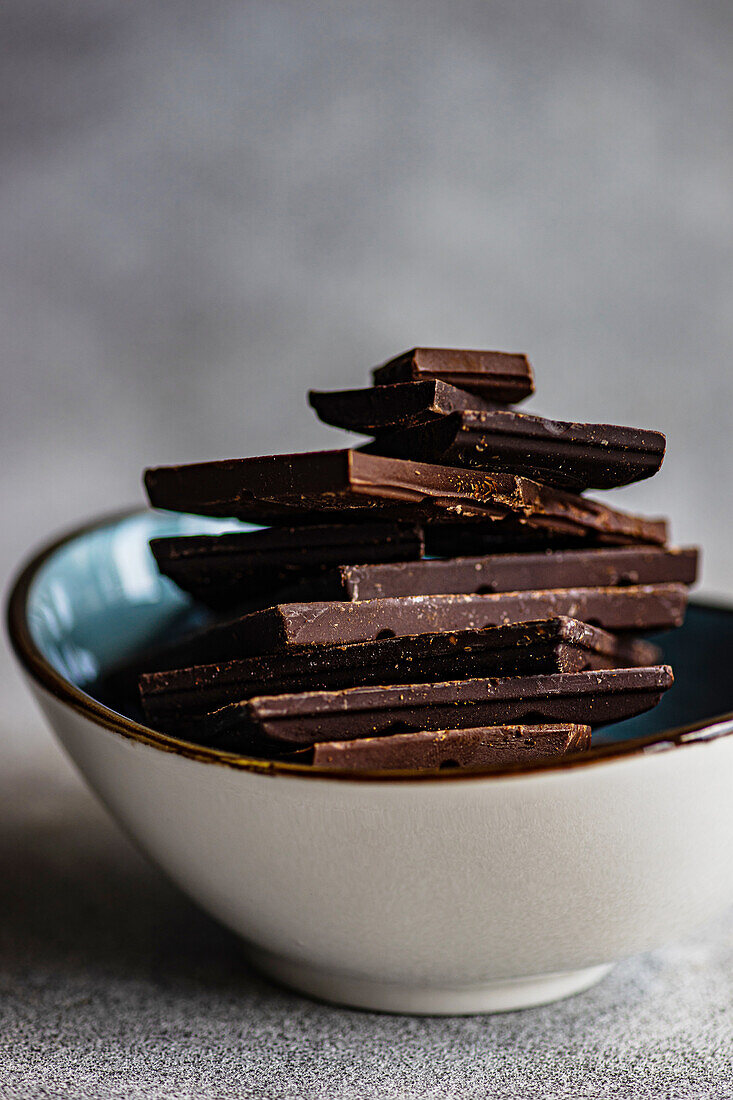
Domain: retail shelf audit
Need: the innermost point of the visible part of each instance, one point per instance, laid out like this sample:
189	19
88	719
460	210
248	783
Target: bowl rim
42	672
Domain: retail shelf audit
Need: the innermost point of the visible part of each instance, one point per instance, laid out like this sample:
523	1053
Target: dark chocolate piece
523	649
452	540
583	698
391	408
494	375
222	570
460	750
633	608
604	566
311	487
556	452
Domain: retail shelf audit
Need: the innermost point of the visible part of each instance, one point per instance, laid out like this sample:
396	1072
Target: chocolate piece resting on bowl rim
173	698
304	718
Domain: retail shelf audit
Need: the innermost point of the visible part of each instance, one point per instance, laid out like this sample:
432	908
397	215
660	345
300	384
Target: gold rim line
41	671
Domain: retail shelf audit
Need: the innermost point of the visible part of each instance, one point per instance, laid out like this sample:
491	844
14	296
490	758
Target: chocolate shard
172	698
488	747
381	409
311	487
305	718
555	452
494	375
640	608
223	570
602	566
452	540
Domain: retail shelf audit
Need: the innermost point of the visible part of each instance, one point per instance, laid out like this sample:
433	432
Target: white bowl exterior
430	884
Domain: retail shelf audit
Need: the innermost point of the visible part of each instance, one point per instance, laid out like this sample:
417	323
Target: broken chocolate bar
555	452
494	375
462	750
632	608
604	566
522	649
583	698
451	540
222	570
383	409
311	487
341	642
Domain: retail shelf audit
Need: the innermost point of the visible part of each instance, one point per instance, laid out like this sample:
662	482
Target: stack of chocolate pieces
443	596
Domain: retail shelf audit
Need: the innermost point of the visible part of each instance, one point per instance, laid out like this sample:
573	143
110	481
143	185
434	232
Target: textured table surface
113	985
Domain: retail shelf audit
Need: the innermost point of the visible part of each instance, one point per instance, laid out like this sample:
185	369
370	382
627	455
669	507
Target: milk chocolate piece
494	375
632	608
223	570
555	452
582	698
172	697
383	409
604	566
460	750
311	487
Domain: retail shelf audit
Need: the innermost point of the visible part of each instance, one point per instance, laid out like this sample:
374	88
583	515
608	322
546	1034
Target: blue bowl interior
99	599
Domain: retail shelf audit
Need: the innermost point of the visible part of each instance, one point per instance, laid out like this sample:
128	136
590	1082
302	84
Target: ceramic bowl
449	894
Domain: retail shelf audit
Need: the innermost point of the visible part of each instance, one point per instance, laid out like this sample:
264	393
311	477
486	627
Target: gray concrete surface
207	208
113	986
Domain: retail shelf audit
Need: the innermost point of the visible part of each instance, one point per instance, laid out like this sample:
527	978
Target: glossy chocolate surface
556	452
311	487
173	697
584	698
495	375
486	747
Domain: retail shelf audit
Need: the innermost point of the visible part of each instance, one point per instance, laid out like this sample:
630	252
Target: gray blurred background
209	207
